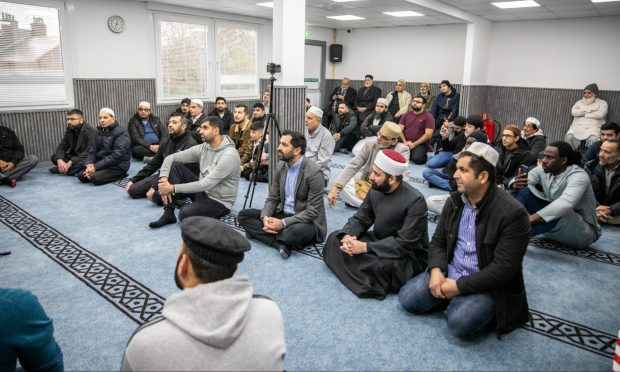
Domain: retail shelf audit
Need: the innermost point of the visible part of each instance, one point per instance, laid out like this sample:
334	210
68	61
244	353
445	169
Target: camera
348	30
272	68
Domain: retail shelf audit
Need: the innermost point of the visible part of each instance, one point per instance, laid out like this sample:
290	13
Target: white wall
419	53
567	53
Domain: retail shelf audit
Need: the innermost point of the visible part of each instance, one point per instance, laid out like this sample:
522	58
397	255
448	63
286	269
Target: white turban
108	110
316	111
391	162
144	104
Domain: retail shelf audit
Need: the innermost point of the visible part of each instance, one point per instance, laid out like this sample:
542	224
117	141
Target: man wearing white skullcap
319	142
535	140
399	100
476	255
373	122
373	263
146	132
109	159
197	115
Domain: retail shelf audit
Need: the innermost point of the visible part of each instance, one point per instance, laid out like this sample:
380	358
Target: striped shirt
465	261
292	172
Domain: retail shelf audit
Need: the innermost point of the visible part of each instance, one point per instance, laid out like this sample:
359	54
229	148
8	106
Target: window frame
69	100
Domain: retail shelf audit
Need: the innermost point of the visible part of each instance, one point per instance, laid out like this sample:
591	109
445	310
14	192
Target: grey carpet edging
141	304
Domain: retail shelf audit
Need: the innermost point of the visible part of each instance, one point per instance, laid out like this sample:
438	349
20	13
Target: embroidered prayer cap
383	101
391	162
592	88
485	151
316	111
533	121
144	104
213	240
108	110
198	102
391	130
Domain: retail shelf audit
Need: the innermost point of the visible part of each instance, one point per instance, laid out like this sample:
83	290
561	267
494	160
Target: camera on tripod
272	68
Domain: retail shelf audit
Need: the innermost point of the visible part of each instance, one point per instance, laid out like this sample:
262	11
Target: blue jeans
466	316
437	178
441	159
533	204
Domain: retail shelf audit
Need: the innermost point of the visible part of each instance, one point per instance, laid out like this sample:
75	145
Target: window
32	65
186	52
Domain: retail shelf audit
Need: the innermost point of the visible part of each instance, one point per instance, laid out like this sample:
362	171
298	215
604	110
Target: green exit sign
311	80
306	33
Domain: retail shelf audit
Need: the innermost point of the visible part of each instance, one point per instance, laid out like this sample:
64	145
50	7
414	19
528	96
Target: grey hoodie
219	171
215	326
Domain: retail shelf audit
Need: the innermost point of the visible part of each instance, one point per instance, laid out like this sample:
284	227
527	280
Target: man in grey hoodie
216	322
215	189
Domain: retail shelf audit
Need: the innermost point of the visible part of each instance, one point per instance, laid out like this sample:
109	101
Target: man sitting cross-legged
294	213
375	263
215	189
72	151
144	184
476	254
353	191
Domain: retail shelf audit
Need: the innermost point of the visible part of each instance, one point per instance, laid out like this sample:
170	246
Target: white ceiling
372	10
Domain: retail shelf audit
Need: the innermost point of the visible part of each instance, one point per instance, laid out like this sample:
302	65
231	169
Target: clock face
116	24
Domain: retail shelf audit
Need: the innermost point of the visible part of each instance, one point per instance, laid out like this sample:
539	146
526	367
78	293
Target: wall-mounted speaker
335	53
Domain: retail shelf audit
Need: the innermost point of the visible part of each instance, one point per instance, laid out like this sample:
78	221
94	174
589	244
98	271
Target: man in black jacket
146	132
366	98
73	149
534	138
343	93
13	163
224	113
373	122
511	155
476	254
144	184
183	108
109	159
344	129
605	179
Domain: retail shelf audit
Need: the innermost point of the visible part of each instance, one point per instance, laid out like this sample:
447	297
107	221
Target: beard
588	101
177	280
384	187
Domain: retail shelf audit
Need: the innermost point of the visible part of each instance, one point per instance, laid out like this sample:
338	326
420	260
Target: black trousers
138	152
75	167
202	204
293	236
140	188
419	154
101	177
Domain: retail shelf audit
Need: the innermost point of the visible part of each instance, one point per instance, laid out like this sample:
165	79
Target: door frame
323	46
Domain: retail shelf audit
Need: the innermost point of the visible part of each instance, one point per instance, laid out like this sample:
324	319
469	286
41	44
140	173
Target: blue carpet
99	271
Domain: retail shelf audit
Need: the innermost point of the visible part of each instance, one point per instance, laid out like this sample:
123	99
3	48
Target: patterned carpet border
142	304
132	298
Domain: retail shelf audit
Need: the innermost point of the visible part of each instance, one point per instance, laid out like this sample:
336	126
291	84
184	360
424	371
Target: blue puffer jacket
446	107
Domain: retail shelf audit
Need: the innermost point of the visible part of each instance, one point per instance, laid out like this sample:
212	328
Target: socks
166	219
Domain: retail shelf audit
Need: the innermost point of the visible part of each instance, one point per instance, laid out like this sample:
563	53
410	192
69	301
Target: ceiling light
268	5
406	13
342	1
516	4
603	1
346	17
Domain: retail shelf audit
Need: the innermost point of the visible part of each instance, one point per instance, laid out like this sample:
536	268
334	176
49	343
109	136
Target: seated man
144	183
511	154
214	190
425	91
366	97
252	156
374	263
446	105
294	214
373	122
266	100
344	129
258	112
353	191
223	112
183	108
343	93
109	159
27	334
589	114
608	131
452	142
240	131
73	149
605	178
399	101
535	140
13	163
418	126
559	198
197	115
476	254
215	322
319	141
146	132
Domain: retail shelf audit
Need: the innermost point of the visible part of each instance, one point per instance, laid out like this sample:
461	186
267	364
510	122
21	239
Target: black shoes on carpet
166	219
285	251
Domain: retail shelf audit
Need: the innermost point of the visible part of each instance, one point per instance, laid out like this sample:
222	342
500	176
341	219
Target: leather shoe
285	252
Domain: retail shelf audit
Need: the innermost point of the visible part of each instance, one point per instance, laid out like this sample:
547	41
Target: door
314	71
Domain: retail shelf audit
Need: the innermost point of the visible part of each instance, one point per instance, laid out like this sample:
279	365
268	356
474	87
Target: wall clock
116	24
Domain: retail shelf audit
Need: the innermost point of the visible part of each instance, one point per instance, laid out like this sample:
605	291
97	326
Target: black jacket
112	148
227	119
611	197
346	125
136	130
509	162
455	145
349	98
535	145
194	125
369	130
367	97
168	146
502	235
75	148
11	150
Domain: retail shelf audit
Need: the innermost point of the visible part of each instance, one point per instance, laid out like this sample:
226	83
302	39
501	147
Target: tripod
271	118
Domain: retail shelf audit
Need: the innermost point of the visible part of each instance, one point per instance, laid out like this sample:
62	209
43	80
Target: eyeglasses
508	135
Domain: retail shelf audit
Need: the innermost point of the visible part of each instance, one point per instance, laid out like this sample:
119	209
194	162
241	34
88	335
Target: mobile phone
524	169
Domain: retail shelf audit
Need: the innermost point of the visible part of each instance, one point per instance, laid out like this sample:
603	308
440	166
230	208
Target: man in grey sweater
215	189
216	322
